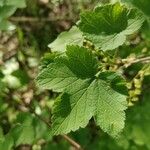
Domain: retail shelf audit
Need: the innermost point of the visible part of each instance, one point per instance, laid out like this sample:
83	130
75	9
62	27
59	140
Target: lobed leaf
84	95
109	25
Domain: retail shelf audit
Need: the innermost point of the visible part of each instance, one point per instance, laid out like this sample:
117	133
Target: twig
144	59
36	19
67	138
130	61
72	142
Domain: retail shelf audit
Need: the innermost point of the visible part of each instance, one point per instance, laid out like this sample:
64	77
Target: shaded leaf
109	30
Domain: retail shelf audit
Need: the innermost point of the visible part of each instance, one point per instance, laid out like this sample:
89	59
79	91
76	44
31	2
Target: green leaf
84	95
58	76
74	108
6	11
16	3
7	8
43	128
87	99
99	20
7	143
47	59
6	25
22	76
23	134
110	105
109	30
73	36
142	5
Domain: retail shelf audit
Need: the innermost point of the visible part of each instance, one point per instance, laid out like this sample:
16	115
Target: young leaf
109	30
84	94
73	36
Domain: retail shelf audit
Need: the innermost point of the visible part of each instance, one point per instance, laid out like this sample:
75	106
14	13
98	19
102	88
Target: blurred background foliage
26	28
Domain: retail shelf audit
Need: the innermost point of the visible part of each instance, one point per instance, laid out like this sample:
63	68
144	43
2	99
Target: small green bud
129	85
105	59
134	99
137	83
130	104
137	91
132	93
